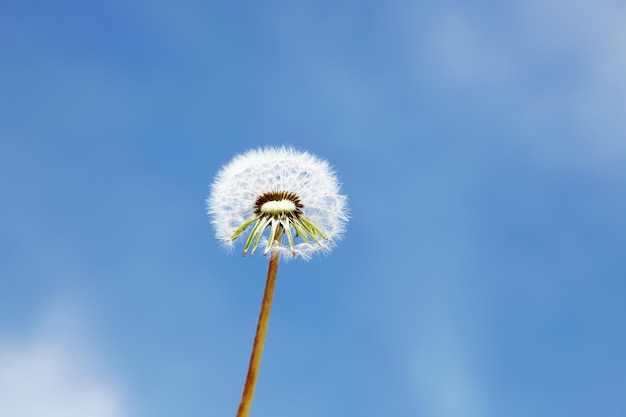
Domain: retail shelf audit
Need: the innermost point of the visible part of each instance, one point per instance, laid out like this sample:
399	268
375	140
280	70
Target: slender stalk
259	338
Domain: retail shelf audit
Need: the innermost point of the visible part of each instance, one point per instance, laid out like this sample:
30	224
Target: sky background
482	148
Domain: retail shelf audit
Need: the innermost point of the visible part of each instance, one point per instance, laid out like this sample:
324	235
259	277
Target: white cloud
53	374
562	63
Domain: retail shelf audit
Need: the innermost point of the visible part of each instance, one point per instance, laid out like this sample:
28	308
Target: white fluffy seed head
249	175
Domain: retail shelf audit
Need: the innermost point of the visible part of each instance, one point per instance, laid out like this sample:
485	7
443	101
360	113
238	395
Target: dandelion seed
289	193
266	188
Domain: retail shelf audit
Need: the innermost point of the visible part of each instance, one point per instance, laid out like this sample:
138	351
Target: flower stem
261	330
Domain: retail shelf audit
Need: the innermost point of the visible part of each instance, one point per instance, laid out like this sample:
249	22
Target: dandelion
284	201
278	187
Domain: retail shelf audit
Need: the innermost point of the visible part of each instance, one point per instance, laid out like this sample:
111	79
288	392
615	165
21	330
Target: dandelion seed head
282	188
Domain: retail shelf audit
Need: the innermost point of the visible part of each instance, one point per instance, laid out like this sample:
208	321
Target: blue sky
481	145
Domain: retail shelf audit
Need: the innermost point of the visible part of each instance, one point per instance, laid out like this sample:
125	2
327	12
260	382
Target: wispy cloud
465	53
561	66
53	373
